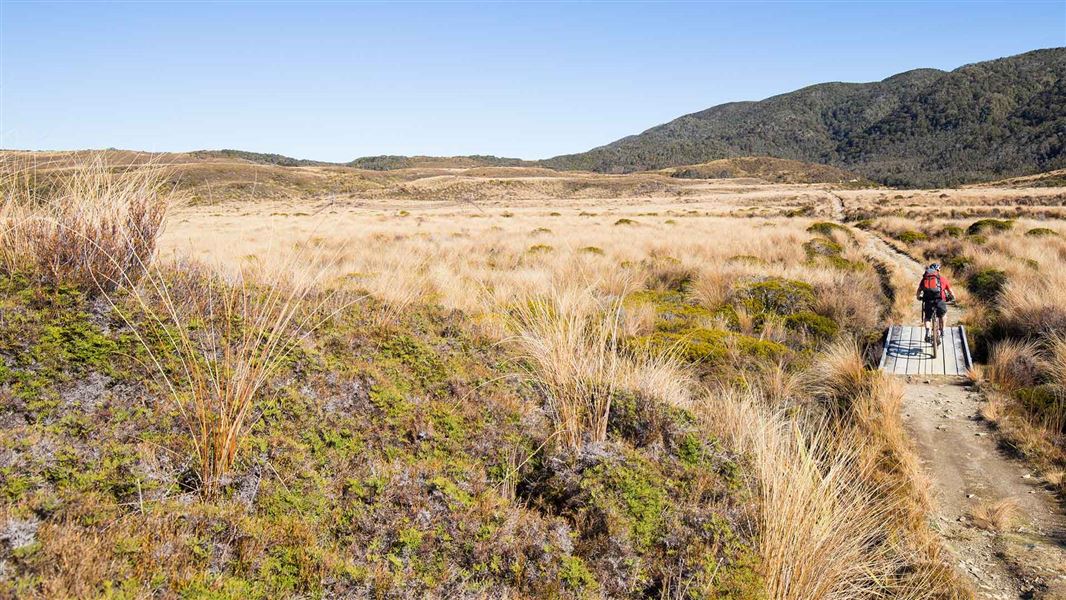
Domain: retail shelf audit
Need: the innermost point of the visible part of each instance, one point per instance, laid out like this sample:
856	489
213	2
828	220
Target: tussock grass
572	344
992	410
996	516
216	339
839	373
1014	364
822	523
1056	364
95	228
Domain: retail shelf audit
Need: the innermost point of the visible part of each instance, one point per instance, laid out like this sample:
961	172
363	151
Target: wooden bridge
907	353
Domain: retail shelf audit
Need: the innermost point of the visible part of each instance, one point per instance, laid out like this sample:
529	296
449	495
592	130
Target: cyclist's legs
941	312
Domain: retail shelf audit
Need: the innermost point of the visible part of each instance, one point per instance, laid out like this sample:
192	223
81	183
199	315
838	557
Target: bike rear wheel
936	337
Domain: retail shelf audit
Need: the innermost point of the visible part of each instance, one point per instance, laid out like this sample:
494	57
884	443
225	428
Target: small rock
971	496
1027	476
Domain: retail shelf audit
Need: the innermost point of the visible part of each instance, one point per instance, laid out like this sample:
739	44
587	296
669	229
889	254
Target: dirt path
966	470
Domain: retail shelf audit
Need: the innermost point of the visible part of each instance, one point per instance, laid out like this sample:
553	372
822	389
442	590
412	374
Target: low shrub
1041	232
775	295
822	247
985	226
747	259
826	228
910	236
986	284
813	324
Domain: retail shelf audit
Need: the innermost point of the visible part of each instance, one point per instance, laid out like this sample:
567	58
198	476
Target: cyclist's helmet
934	267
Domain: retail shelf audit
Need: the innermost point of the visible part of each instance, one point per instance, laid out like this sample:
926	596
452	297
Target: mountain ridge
1009	114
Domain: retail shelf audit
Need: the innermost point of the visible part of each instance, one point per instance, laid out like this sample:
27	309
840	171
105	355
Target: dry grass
216	339
996	516
1056	364
839	374
96	228
822	521
1014	364
839	492
1055	478
572	344
992	410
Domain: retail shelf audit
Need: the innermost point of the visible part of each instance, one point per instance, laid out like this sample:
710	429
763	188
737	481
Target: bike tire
936	340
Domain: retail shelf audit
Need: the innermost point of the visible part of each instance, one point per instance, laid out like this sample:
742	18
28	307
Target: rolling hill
771	170
988	120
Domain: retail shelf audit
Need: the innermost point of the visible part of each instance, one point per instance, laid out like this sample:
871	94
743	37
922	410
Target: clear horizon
333	81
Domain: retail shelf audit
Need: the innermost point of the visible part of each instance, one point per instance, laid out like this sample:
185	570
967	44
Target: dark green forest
926	127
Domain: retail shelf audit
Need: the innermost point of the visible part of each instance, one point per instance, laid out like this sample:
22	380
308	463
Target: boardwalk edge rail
966	347
884	350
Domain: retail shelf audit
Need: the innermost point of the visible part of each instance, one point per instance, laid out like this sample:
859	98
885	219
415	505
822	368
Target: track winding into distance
966	468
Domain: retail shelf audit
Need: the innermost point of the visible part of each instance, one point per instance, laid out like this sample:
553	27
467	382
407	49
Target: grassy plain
503	382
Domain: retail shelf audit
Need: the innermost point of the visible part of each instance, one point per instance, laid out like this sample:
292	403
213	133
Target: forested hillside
925	127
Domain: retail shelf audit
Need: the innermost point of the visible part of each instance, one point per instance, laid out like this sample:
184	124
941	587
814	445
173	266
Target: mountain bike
937	323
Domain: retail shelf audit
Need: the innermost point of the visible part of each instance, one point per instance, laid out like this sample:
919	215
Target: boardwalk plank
907	353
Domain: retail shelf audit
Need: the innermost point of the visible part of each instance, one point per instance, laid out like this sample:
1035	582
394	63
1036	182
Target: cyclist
935	292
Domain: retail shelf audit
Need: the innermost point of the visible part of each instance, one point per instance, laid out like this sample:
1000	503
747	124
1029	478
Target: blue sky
337	80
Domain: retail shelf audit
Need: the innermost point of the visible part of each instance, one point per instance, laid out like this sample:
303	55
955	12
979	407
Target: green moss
987	284
625	221
592	250
417	356
953	231
27	551
539	249
541	231
451	491
14	485
409	538
639	491
575	573
690	449
985	226
391	401
77	342
287	570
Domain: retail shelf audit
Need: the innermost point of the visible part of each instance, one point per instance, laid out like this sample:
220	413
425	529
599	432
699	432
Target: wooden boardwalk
907	353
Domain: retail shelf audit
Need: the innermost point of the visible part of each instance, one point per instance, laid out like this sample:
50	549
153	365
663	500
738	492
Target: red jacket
945	288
